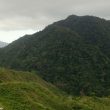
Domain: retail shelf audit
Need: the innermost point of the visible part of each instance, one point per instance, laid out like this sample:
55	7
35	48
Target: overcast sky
19	17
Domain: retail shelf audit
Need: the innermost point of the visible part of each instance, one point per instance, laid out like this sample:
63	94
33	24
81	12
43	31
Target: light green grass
26	91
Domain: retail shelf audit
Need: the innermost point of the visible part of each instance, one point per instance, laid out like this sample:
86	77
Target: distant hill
3	44
73	54
26	91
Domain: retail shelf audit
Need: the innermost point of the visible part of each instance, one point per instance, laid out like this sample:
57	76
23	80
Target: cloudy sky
19	17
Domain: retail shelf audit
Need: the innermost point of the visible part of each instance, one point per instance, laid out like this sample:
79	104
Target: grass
26	91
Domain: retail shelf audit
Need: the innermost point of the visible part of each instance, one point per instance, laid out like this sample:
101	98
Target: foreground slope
73	54
26	91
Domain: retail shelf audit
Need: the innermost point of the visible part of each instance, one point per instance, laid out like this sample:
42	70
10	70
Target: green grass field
26	91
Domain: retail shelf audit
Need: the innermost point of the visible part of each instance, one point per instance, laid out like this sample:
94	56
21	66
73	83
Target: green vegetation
26	91
72	54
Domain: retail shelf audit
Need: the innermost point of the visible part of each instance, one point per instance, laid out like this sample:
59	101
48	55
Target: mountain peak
86	17
72	16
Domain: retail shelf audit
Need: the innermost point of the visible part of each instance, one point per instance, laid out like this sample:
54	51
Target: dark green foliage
73	54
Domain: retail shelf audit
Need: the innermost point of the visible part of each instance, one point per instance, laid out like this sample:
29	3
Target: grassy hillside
26	91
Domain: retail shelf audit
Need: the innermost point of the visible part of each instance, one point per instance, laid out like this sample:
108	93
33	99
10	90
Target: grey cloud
36	14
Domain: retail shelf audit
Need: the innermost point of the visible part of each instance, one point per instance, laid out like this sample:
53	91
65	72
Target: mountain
27	91
3	44
73	54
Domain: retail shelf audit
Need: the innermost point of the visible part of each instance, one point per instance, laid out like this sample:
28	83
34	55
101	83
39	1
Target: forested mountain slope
73	54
